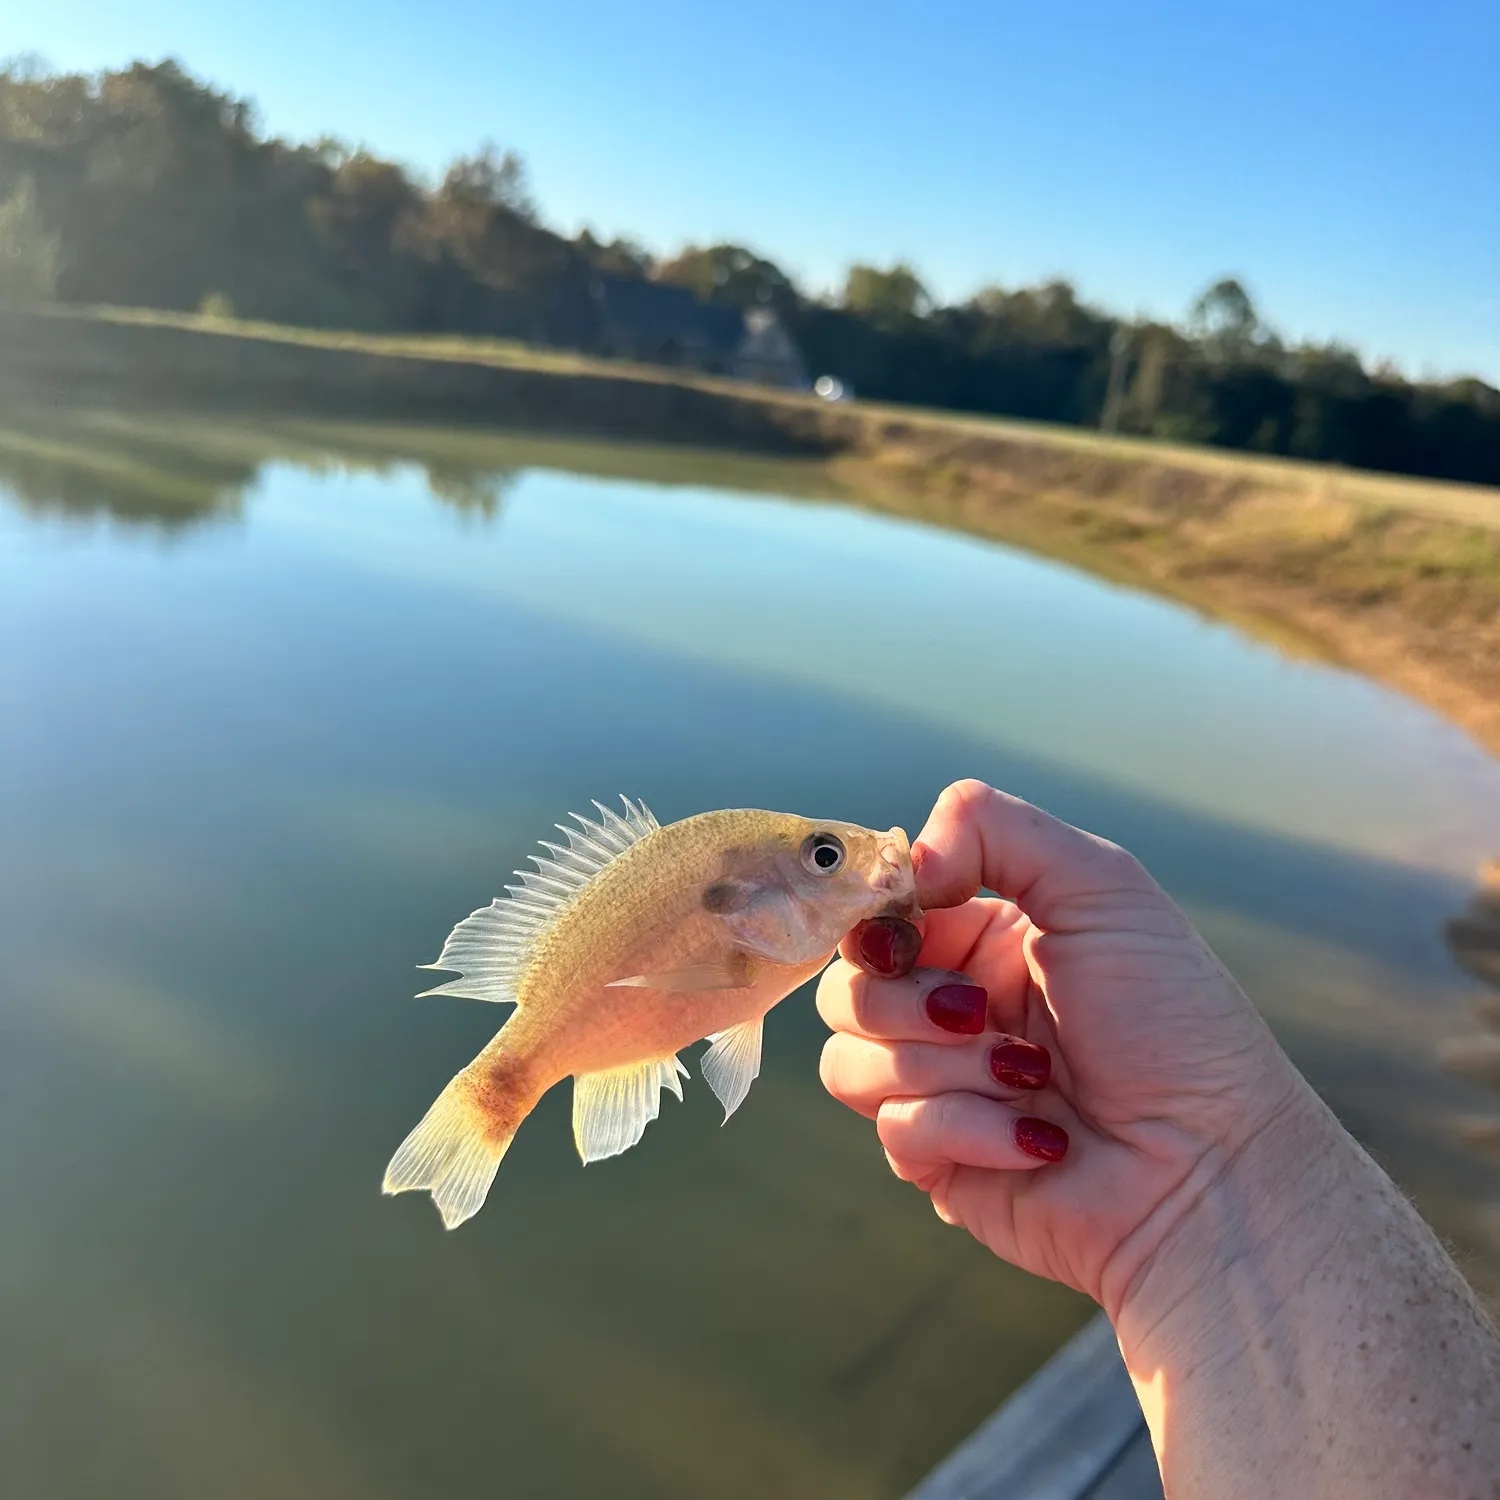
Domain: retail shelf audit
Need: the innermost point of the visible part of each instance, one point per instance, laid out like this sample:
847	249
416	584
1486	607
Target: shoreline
1406	599
1391	577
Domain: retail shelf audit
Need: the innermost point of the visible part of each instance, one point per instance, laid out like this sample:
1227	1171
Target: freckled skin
645	913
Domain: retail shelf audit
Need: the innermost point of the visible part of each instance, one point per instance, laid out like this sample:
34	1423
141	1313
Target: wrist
1235	1239
1292	1327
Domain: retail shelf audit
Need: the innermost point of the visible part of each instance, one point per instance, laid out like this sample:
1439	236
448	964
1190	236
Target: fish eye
823	854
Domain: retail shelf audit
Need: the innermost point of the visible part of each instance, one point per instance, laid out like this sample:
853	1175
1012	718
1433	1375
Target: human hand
1071	1119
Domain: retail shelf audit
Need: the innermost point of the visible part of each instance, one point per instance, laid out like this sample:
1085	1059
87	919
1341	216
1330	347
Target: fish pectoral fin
732	1063
732	971
611	1110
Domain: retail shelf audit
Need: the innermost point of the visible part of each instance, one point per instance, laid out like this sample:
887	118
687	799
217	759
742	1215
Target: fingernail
1041	1138
1020	1065
887	946
957	1007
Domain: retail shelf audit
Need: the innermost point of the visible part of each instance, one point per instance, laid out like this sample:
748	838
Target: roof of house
652	312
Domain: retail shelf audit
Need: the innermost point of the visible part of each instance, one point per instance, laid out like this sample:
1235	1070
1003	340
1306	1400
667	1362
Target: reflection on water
1474	939
172	470
1474	935
250	771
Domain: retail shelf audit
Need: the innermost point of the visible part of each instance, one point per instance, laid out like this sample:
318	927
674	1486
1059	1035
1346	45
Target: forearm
1296	1330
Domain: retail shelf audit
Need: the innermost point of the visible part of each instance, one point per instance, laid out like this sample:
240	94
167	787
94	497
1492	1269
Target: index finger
898	1010
1055	873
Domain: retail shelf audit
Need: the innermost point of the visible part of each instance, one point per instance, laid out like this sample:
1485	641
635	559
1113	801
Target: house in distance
667	325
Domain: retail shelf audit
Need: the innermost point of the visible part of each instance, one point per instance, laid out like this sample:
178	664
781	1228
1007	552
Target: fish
624	946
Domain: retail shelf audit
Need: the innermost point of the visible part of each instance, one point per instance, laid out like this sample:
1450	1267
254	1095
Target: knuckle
937	1117
891	1127
1124	866
966	798
948	1122
855	1071
904	1122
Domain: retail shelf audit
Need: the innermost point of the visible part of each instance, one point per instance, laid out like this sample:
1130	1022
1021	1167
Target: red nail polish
1020	1065
959	1008
887	946
1041	1138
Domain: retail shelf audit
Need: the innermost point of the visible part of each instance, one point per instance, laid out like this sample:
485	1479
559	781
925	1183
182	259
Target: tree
146	187
886	296
1223	319
492	178
730	274
365	200
620	257
28	253
1048	315
495	268
1154	347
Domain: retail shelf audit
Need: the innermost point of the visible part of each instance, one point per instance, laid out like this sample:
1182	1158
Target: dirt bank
1400	582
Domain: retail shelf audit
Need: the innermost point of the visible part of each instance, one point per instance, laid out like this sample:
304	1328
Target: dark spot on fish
722	897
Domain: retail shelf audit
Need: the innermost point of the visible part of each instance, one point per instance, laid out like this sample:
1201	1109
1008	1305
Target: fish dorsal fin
491	947
732	1063
611	1110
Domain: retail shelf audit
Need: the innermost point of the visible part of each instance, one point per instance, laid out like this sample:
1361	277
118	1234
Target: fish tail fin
455	1150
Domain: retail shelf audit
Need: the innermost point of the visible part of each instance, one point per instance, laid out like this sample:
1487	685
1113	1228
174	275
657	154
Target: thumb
1057	874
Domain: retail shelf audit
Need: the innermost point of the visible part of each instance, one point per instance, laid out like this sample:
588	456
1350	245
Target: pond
280	702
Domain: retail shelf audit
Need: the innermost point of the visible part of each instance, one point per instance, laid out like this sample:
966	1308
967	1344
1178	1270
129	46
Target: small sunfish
625	946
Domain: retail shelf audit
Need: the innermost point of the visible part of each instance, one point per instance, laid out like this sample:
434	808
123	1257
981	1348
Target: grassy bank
1396	578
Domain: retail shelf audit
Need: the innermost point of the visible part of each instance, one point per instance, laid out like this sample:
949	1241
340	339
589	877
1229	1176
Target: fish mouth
895	850
894	874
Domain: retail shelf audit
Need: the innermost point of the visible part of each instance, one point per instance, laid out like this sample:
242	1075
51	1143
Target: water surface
279	703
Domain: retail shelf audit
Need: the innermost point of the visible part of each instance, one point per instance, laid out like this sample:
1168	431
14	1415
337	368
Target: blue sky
1341	157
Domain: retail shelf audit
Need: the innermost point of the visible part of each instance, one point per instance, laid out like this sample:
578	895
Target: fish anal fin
730	971
612	1109
732	1063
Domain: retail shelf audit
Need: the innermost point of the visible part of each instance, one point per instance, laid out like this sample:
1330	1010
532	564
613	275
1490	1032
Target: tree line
146	187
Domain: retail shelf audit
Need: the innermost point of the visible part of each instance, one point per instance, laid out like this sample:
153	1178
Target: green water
279	703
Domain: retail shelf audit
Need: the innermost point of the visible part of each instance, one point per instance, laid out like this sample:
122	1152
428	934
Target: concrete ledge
1074	1431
